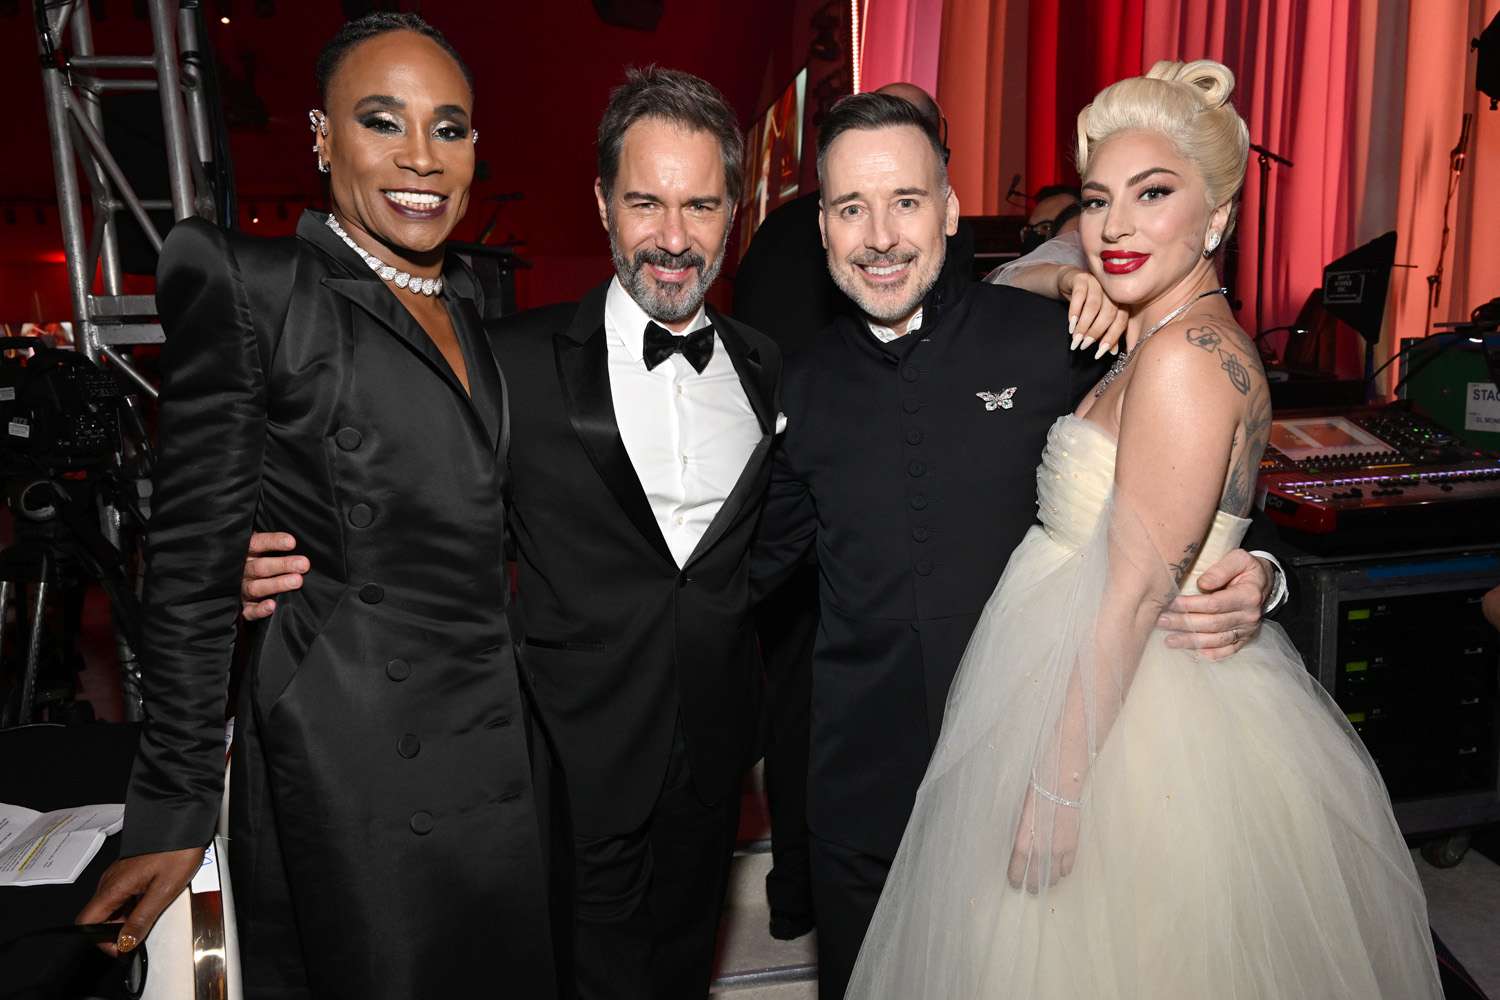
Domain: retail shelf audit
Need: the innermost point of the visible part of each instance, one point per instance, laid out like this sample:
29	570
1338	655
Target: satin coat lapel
759	390
485	389
381	306
582	353
377	303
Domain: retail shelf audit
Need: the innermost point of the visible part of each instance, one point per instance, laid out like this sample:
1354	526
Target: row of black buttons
361	515
916	469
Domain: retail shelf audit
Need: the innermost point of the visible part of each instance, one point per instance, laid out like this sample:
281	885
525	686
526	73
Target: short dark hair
869	111
1056	189
362	29
674	96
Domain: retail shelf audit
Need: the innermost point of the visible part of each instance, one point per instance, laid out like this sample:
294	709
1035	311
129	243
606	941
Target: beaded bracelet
1054	797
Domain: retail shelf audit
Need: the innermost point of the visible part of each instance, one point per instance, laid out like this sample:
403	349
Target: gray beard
660	306
850	285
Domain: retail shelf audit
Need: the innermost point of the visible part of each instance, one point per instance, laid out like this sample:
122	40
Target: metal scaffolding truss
74	77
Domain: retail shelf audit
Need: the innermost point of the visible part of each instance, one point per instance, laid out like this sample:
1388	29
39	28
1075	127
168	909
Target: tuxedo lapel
747	364
760	391
583	371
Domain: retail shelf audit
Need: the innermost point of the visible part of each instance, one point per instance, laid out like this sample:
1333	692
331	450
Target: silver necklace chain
1125	355
401	279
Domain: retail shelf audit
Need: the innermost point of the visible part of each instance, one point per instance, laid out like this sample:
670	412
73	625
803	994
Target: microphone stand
1263	159
1455	172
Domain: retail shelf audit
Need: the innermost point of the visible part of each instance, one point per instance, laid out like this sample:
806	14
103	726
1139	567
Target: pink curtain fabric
1439	89
1365	97
902	43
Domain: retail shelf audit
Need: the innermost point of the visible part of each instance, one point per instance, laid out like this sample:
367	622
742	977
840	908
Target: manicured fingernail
1101	351
1162	621
1076	338
302	566
126	942
1072	323
1115	349
1087	343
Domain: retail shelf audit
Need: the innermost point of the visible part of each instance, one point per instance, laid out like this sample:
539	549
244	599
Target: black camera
59	411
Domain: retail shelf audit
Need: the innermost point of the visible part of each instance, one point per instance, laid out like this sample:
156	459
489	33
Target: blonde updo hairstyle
1188	103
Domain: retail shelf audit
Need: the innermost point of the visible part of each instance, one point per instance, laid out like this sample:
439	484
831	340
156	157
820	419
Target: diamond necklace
1125	355
401	279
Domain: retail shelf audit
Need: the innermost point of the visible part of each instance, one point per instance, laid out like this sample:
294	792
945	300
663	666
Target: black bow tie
660	344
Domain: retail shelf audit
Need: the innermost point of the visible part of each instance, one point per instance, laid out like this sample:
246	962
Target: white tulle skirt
1235	842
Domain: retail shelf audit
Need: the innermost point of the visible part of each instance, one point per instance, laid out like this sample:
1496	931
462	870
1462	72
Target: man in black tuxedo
914	432
642	424
640	455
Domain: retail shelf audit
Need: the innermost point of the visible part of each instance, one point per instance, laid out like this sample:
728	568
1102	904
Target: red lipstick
1122	261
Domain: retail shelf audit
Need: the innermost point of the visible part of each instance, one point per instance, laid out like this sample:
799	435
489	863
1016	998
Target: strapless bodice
1076	479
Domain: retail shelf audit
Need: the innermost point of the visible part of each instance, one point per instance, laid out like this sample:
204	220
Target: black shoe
789	927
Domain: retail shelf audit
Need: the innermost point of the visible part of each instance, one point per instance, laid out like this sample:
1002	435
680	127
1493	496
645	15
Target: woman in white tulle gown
1105	817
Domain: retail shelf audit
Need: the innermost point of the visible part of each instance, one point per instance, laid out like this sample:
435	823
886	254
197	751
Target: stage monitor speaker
641	15
1355	285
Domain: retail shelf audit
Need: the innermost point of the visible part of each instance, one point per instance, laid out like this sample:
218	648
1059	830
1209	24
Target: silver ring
1235	632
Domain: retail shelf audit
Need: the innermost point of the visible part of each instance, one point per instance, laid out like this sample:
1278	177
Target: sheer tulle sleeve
1025	706
1065	249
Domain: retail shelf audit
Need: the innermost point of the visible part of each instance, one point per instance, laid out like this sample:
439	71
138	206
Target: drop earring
1212	245
318	122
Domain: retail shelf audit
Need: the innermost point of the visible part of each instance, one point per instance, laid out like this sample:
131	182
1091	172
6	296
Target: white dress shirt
688	435
886	334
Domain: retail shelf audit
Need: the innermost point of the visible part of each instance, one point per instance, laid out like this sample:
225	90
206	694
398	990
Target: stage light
254	215
224	19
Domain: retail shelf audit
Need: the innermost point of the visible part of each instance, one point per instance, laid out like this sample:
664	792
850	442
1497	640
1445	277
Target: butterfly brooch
997	400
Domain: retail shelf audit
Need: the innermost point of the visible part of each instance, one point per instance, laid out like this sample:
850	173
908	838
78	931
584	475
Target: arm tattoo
1239	493
1205	337
1239	375
1209	339
1181	566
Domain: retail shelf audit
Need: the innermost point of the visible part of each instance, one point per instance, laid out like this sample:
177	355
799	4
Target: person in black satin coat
384	821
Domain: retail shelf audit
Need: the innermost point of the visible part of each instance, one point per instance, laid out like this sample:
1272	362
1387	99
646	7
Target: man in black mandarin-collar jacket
914	489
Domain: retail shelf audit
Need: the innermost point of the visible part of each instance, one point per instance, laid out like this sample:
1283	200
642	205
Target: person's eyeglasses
1041	231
